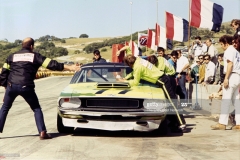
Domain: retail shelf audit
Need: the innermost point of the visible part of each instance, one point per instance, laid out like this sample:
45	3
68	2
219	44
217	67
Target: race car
95	99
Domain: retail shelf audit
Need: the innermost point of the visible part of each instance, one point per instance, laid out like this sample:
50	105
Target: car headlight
70	102
155	105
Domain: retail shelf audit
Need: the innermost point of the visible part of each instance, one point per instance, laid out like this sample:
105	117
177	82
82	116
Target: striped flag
133	46
206	14
151	40
160	38
176	28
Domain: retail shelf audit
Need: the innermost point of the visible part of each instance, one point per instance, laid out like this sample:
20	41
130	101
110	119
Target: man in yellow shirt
163	65
201	69
145	70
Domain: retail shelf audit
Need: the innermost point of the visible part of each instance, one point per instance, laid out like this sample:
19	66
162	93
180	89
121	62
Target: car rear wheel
61	128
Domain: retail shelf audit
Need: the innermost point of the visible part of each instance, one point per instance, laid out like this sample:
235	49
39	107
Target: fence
42	74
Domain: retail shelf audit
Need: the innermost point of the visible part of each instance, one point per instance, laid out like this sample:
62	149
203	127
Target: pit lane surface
21	141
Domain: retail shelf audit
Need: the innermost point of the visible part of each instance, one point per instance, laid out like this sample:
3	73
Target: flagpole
131	20
157	11
189	24
166	31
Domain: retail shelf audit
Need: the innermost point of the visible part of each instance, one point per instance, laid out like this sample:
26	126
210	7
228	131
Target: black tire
163	127
61	128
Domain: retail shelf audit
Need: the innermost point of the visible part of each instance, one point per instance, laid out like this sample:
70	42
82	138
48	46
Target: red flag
151	40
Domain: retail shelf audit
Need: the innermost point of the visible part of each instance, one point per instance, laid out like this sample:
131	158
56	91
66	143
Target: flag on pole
133	47
151	40
142	39
206	14
176	28
160	38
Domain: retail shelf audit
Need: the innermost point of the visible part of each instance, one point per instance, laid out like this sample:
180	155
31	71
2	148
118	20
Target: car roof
109	64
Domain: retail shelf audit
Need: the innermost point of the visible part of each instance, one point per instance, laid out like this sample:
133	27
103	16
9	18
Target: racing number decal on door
146	64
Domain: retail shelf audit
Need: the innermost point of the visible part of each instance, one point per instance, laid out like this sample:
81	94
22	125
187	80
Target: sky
96	18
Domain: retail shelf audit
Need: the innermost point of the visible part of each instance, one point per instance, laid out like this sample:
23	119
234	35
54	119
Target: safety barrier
42	74
200	94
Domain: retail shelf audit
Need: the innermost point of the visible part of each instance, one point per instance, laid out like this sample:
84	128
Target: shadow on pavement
123	134
33	135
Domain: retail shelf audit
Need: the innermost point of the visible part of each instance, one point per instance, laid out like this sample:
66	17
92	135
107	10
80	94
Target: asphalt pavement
20	139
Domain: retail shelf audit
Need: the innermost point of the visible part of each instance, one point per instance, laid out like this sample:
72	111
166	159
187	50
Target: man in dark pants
182	66
18	76
145	70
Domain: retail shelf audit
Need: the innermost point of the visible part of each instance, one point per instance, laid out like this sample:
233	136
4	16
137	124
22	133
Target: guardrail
43	74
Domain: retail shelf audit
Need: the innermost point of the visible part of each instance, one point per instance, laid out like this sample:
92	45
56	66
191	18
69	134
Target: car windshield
100	74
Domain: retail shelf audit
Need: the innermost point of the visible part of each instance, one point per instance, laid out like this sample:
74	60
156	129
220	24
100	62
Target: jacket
201	72
100	60
165	66
21	67
145	70
194	71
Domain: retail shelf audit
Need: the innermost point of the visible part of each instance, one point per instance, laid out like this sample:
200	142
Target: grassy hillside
78	44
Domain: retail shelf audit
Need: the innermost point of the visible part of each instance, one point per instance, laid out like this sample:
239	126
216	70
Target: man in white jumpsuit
231	84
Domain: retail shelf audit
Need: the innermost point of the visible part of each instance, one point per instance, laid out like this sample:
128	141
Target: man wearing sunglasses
201	69
209	70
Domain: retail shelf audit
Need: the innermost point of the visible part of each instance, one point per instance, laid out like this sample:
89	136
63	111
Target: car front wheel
61	128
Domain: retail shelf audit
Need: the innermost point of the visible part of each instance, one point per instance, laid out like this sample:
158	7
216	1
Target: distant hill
77	51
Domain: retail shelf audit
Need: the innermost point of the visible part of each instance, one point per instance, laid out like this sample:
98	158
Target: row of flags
203	14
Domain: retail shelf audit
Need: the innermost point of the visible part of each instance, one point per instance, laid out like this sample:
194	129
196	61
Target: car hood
91	90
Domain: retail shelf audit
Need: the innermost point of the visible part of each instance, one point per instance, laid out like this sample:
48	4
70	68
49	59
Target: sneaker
236	128
218	126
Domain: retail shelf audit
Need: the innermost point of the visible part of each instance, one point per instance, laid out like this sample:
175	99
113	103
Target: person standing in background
161	53
209	70
97	57
235	24
201	69
198	48
212	51
195	71
231	84
218	69
182	69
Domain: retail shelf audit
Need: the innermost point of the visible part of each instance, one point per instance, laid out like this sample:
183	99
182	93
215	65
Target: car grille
112	103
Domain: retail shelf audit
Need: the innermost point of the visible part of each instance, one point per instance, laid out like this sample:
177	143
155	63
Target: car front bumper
139	121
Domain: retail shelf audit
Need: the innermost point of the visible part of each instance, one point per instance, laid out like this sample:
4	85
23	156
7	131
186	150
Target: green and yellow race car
95	99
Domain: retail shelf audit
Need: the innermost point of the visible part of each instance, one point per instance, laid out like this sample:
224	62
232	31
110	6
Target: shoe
45	135
236	128
232	119
218	126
